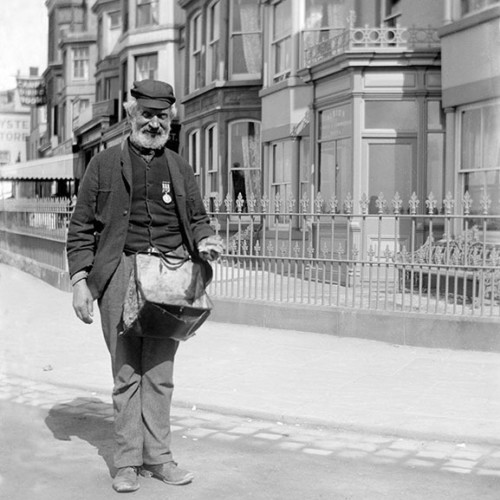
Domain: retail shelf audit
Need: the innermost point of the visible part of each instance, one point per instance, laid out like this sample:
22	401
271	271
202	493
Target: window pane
390	171
335	171
480	183
212	149
245	145
326	13
327	169
435	115
81	62
245	16
246	42
245	159
282	25
214	22
247	55
146	67
335	122
195	60
394	115
491	146
435	165
114	20
471	139
282	162
282	56
343	169
196	33
193	153
147	12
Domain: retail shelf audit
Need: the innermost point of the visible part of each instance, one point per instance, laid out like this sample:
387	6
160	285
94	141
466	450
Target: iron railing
408	256
343	255
36	229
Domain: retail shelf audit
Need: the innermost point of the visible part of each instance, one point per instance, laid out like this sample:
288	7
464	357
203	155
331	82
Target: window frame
282	186
80	63
115	14
195	51
213	41
152	72
194	137
277	41
212	164
240	33
478	168
391	13
231	149
152	13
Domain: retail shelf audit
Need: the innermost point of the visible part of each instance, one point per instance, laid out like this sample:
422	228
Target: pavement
291	377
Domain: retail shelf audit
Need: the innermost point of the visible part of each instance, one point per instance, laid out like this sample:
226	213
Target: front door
389	167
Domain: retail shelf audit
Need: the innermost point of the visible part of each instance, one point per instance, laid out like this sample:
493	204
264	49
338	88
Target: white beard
144	140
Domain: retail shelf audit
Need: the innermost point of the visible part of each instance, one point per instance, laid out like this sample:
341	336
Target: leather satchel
166	296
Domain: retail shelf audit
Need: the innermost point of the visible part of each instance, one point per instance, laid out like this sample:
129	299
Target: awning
55	167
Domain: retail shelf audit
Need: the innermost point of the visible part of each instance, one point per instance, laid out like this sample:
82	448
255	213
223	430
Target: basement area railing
371	255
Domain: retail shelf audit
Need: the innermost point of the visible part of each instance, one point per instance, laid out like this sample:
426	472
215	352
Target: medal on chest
165	192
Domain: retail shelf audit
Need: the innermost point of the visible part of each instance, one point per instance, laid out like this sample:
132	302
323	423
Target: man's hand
83	303
211	247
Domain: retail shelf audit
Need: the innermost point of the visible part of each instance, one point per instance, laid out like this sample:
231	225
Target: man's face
150	127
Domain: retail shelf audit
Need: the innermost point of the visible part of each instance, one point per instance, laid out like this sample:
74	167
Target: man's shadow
89	419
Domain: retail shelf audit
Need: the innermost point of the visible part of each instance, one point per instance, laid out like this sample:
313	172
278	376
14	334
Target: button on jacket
99	224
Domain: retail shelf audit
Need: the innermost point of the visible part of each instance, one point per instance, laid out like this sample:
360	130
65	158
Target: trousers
142	381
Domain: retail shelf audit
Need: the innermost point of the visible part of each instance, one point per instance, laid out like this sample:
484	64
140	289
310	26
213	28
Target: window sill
220	84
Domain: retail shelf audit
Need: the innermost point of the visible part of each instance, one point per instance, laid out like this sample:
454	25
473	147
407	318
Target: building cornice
470	21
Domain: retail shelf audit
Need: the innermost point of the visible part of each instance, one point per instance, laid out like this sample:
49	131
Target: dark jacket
99	224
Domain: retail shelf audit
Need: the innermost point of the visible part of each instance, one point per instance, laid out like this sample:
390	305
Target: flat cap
153	94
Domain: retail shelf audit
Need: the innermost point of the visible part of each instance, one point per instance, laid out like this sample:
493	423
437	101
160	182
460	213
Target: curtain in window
250	27
251	160
147	12
245	160
323	16
146	67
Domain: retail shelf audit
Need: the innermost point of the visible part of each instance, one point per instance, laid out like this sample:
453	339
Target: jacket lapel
126	164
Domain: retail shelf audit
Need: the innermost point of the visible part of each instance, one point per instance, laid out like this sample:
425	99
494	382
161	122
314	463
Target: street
56	445
307	417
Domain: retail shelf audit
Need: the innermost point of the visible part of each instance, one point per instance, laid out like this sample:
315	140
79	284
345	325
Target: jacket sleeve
81	233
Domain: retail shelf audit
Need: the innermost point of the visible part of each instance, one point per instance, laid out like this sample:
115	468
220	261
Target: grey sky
23	39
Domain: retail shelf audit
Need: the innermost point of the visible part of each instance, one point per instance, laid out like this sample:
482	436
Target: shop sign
31	91
335	122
